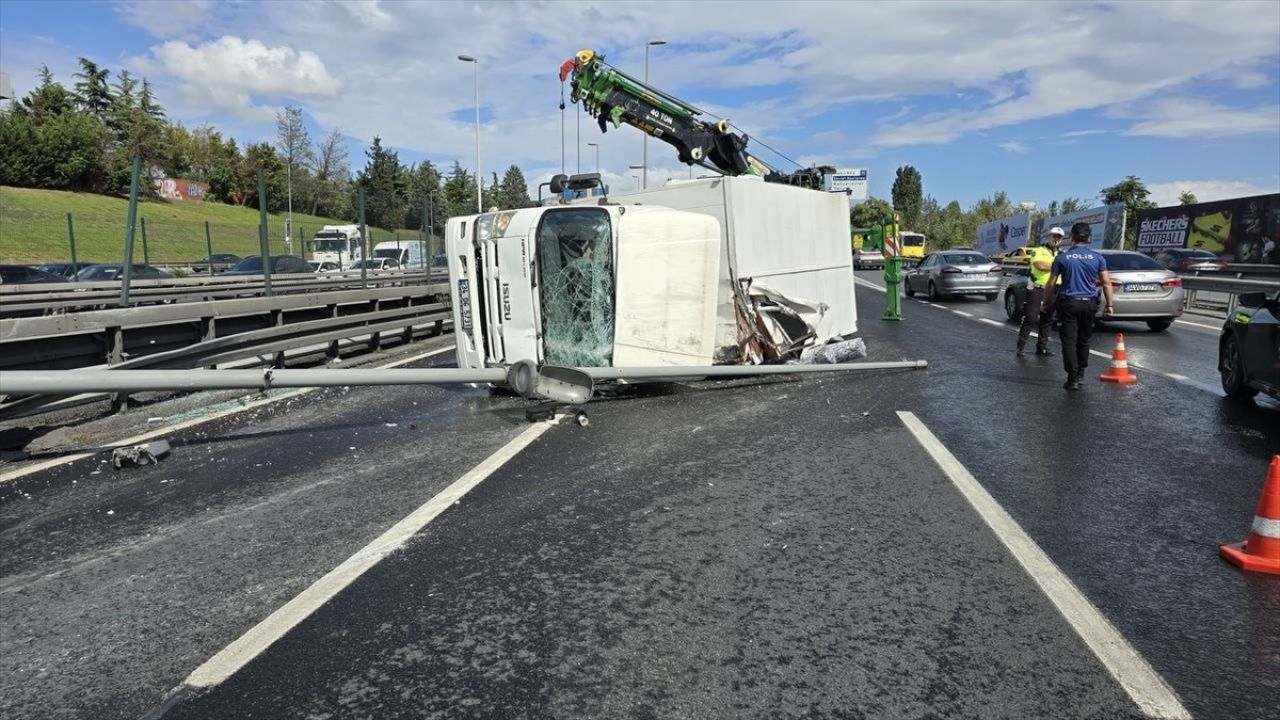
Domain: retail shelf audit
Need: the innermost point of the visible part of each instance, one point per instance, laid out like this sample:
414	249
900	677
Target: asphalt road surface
768	549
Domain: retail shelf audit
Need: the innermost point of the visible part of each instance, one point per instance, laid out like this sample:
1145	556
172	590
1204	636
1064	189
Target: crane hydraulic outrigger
612	96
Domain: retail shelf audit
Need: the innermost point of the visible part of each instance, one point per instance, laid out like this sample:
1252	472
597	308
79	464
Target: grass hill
33	228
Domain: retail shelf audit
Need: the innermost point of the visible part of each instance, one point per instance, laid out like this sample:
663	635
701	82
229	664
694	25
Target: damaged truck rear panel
716	271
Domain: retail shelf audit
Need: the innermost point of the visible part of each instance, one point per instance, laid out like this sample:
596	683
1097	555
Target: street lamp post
597	147
479	175
644	175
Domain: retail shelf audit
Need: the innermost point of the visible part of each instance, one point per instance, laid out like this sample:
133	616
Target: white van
411	254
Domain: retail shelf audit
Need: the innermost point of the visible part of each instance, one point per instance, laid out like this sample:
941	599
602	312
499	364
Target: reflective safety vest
1039	277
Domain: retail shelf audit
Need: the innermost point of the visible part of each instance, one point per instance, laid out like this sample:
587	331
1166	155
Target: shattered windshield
575	260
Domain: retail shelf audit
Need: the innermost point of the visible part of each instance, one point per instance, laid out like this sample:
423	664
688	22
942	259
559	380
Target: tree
1072	204
460	192
147	102
908	191
385	187
872	211
988	209
1186	197
513	191
332	174
47	100
263	157
424	186
92	92
294	144
1134	194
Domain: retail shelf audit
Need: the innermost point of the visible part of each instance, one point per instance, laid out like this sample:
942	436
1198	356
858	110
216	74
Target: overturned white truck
729	270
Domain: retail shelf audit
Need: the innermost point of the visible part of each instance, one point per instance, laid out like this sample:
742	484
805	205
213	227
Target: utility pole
479	175
644	175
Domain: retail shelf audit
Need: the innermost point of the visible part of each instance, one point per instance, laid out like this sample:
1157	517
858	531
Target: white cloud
1083	133
1191	118
229	72
166	20
1166	193
1015	147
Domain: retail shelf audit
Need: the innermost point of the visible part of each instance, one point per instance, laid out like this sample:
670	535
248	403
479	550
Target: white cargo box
791	240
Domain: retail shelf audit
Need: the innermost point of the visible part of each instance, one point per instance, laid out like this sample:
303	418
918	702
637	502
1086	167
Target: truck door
514	306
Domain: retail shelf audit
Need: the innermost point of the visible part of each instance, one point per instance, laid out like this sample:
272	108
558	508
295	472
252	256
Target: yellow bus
911	244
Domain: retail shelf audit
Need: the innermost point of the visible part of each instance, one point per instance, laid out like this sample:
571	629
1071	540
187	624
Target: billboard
1003	235
1106	222
853	181
1236	230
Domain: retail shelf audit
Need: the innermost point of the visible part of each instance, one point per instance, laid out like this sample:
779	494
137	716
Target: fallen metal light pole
547	382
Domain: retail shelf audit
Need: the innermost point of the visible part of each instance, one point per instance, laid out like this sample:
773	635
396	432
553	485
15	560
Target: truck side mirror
558	183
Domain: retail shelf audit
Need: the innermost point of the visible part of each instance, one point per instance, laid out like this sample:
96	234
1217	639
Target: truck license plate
464	302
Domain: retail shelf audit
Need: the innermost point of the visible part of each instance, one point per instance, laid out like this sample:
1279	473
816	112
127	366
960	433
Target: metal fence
170	243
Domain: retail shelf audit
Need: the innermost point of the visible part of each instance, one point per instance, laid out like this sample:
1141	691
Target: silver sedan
1143	289
955	272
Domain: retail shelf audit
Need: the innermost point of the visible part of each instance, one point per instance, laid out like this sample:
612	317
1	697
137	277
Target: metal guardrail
1241	270
1232	287
203	334
27	300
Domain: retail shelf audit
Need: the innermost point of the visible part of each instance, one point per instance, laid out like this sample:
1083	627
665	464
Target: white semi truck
728	270
341	244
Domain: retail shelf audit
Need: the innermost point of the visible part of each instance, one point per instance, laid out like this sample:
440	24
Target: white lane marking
261	636
989	321
168	429
1143	684
961	312
1215	328
868	283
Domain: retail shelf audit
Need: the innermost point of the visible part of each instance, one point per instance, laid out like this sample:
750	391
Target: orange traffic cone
1119	372
1261	552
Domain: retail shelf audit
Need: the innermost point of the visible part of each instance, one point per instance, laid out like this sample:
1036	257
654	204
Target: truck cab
341	244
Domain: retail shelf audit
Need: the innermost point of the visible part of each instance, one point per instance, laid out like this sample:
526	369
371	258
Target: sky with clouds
1043	100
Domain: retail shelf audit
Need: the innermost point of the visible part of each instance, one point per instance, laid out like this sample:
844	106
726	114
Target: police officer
1035	313
1074	277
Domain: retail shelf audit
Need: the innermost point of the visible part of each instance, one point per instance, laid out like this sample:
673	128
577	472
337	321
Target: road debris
139	455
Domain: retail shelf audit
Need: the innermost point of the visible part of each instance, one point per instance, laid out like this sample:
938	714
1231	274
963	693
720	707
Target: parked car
66	270
1189	260
280	265
324	266
951	272
377	264
1249	347
108	272
23	275
868	259
1144	291
219	261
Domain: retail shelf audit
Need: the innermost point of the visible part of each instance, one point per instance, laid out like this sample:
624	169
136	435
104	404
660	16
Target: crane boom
614	97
